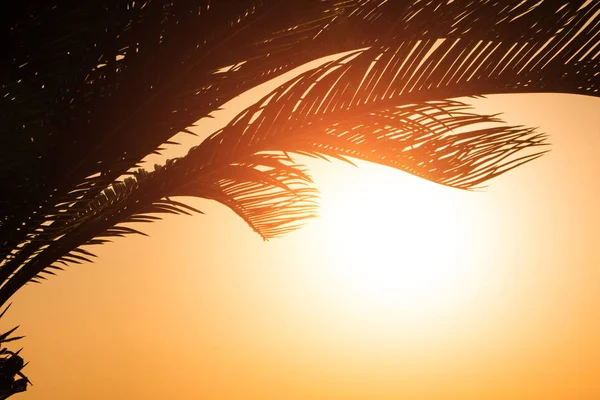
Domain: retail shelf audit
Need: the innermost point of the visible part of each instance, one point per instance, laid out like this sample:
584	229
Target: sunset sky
402	289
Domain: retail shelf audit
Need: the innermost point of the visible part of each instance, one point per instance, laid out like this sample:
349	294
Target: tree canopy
91	88
88	90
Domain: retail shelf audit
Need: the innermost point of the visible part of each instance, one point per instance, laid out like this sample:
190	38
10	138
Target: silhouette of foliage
11	365
90	89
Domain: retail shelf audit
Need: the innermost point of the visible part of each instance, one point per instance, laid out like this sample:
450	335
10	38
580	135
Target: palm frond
11	365
326	112
87	79
89	90
272	196
256	180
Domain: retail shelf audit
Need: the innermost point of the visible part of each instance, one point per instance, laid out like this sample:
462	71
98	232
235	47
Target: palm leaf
79	80
271	195
274	197
11	365
389	103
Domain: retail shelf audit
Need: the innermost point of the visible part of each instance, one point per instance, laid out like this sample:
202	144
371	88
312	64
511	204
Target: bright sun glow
399	244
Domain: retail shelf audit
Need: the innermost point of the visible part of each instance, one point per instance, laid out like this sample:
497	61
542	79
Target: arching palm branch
89	90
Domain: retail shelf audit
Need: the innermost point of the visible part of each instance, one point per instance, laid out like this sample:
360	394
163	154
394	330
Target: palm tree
89	90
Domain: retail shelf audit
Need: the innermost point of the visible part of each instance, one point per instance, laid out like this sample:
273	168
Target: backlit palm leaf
389	102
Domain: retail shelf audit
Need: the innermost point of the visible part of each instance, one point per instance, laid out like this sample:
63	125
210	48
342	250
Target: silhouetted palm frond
11	365
82	82
83	103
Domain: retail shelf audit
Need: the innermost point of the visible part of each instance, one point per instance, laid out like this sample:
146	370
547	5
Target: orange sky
204	309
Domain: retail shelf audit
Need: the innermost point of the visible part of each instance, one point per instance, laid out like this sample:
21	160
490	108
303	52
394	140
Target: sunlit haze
398	244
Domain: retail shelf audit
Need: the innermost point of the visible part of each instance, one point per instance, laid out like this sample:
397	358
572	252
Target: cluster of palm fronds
89	89
12	380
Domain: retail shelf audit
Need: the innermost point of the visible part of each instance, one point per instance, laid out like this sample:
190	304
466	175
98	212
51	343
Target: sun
397	243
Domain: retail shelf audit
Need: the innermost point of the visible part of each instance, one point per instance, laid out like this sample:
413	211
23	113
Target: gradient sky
204	309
